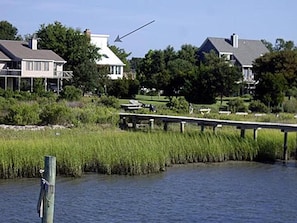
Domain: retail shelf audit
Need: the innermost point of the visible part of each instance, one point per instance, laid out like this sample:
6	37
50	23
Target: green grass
123	152
145	99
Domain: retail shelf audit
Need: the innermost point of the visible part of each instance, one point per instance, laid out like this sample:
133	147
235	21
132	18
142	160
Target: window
46	66
29	65
37	65
111	70
118	70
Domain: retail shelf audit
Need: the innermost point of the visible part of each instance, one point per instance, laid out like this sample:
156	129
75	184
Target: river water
224	192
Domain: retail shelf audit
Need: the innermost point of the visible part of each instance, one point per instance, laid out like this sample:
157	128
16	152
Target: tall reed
82	150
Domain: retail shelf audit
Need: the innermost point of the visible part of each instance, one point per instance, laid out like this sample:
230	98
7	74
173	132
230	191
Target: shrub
258	106
109	101
237	105
178	104
290	105
85	115
56	113
23	114
71	93
6	93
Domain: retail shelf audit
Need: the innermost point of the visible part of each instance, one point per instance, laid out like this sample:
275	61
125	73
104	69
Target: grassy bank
119	152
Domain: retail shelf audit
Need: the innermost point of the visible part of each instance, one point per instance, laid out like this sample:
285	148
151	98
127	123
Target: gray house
240	52
21	62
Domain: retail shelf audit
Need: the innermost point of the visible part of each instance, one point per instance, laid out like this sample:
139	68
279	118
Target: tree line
170	72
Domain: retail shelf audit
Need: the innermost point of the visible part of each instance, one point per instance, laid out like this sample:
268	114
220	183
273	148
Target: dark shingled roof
247	51
20	50
4	57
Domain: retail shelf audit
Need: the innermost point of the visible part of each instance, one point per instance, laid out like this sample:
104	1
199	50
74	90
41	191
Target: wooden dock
214	123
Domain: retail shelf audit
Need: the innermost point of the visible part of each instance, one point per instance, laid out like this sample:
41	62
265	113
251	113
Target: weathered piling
46	201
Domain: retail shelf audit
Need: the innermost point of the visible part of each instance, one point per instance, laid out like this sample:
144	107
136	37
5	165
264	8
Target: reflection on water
221	192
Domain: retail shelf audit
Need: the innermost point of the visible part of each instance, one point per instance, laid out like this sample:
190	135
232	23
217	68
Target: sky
176	22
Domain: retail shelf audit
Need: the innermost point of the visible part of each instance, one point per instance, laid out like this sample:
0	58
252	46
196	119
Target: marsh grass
113	151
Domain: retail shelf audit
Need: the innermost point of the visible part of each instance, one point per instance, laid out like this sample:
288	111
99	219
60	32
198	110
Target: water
226	192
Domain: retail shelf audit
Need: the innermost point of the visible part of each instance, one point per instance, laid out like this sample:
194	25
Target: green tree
179	70
216	77
123	88
188	53
270	89
76	49
152	72
224	74
198	89
281	44
169	55
276	71
8	31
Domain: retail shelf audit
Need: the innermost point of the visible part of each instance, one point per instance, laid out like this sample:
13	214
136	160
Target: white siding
38	69
116	66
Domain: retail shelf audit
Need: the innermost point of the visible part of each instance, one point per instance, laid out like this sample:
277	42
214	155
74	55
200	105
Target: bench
130	107
224	112
204	110
241	113
259	114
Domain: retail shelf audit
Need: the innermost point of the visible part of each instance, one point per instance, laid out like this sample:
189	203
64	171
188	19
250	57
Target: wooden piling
151	123
256	133
165	126
182	127
49	182
124	123
285	155
242	132
134	122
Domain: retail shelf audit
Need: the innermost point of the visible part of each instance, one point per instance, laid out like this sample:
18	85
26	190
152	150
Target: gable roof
20	50
246	52
107	56
4	57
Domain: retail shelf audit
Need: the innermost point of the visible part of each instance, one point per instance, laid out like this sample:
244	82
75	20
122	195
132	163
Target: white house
22	61
108	58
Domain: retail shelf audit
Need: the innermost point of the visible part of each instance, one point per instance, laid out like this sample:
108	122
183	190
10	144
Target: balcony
18	73
10	72
63	74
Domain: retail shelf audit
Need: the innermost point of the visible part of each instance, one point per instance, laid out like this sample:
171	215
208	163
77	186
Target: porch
12	79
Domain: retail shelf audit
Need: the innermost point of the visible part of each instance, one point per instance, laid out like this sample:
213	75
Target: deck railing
10	72
18	73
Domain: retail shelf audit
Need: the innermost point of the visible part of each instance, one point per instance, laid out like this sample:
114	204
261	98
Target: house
240	52
108	58
21	62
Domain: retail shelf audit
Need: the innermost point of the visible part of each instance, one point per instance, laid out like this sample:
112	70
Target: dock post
182	127
124	123
256	134
202	128
242	132
214	128
49	182
165	126
134	122
285	155
151	123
